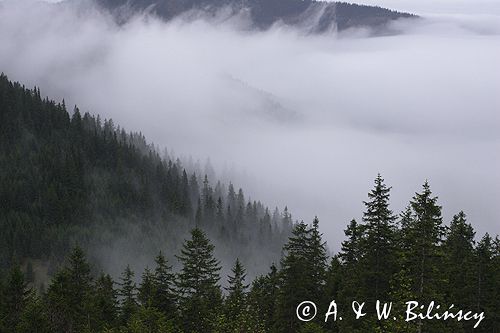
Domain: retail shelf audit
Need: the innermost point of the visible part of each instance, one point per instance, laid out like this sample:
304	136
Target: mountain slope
315	16
74	179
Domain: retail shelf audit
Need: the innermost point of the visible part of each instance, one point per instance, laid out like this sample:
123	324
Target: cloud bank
426	7
307	120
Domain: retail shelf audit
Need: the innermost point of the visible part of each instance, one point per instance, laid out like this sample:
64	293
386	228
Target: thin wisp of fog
304	120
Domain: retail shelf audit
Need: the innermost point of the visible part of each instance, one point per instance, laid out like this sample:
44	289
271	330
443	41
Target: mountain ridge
69	179
316	16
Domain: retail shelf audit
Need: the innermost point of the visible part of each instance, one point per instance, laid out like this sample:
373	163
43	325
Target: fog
429	7
306	121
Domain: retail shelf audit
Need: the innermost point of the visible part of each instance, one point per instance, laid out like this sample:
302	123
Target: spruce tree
200	295
164	292
423	233
34	316
127	293
458	250
332	288
150	320
377	246
263	297
350	253
105	303
317	258
70	295
302	274
13	299
495	296
236	300
486	283
146	290
219	213
237	317
427	234
351	280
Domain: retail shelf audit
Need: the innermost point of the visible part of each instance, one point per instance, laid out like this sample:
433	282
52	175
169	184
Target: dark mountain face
73	179
315	16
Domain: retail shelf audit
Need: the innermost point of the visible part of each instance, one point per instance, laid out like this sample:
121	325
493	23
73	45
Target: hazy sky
311	120
468	7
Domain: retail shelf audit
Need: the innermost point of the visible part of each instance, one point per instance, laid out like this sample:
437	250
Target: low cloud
308	119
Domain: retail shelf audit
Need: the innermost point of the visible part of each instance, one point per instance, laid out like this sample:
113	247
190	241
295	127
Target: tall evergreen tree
317	257
351	282
332	289
263	297
458	249
128	295
423	233
34	316
146	290
105	303
70	295
486	283
302	273
200	294
237	316
350	249
378	247
13	299
164	293
237	289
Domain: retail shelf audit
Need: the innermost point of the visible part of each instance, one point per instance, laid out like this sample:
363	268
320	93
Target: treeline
386	257
67	179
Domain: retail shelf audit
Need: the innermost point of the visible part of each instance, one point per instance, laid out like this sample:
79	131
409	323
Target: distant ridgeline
72	179
311	16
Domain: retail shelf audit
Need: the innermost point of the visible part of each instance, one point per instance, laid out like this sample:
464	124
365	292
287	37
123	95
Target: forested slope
68	179
307	15
74	179
413	257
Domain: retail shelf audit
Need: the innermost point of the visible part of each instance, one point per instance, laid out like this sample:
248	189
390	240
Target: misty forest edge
59	172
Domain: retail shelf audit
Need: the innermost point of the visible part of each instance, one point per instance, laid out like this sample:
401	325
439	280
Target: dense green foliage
65	176
67	180
443	264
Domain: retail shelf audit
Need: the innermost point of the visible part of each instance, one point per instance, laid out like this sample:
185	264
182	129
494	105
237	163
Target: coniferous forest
74	179
71	184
